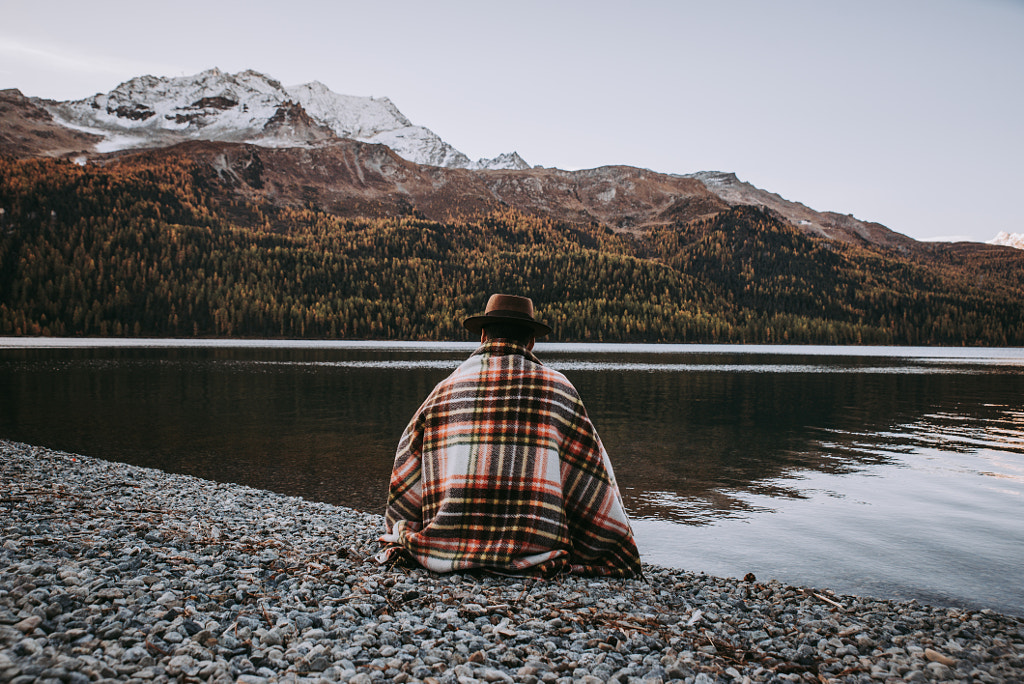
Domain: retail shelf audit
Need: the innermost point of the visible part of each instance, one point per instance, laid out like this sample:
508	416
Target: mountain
231	205
148	111
217	239
352	179
349	178
1015	240
844	228
249	107
27	130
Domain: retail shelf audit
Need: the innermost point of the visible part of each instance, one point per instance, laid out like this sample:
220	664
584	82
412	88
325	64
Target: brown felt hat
503	308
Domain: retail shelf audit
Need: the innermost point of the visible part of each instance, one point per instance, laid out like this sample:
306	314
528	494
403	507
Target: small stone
251	679
110	594
167	599
272	638
29	624
318	664
473	609
937	657
677	670
182	665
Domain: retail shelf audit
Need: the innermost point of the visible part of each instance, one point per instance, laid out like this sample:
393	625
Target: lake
890	472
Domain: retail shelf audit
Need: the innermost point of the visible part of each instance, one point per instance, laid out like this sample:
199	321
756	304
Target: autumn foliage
151	250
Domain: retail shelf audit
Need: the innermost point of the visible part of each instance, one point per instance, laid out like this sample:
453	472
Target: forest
152	250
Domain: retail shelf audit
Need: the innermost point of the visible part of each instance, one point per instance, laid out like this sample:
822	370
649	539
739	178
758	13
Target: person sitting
501	469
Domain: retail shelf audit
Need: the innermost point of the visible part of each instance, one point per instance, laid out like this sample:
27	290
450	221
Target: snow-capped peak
149	111
508	160
1008	239
348	115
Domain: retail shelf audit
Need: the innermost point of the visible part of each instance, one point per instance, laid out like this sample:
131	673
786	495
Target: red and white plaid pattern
501	469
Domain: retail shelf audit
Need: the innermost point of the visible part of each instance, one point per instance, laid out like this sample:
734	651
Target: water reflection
767	448
704	436
686	437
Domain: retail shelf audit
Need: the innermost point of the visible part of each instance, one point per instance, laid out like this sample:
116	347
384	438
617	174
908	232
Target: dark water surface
891	472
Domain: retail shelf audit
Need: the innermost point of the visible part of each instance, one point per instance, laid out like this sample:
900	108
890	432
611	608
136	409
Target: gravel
110	572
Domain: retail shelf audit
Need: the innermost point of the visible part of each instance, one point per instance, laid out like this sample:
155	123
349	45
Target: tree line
149	250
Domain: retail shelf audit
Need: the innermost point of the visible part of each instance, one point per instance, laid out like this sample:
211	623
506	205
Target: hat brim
475	324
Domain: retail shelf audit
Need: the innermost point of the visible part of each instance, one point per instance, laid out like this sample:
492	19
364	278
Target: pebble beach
110	572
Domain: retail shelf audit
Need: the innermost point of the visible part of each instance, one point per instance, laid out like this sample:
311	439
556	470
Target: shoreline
112	572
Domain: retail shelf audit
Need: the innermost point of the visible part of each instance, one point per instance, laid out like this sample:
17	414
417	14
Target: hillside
355	179
149	112
29	131
348	240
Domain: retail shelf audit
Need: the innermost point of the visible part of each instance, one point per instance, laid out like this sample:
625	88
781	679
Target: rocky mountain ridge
148	111
259	114
829	224
351	178
27	130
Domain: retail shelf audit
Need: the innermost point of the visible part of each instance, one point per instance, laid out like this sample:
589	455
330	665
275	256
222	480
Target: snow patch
1015	240
506	161
148	111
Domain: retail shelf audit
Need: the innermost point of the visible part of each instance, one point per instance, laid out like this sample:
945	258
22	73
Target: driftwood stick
823	598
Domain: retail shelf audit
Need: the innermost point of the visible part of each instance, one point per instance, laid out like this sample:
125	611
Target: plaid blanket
501	468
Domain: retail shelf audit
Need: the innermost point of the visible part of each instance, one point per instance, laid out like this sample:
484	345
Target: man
501	469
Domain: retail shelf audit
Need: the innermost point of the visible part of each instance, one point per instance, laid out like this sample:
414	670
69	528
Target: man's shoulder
553	376
480	368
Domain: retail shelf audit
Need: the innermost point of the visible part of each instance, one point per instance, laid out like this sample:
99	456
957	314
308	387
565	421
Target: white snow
213	105
347	115
507	160
1009	239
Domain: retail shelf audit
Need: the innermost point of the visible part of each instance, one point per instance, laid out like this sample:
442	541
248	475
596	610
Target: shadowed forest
154	251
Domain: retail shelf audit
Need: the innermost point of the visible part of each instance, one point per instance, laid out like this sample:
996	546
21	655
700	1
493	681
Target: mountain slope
27	130
149	112
172	245
844	228
252	176
353	179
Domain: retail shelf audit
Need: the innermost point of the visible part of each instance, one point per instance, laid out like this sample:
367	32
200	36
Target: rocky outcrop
27	130
842	227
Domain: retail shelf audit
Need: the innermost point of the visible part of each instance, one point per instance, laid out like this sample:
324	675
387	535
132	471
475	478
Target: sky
909	113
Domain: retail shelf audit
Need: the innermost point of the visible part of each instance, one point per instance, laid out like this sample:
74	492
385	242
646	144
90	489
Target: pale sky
905	112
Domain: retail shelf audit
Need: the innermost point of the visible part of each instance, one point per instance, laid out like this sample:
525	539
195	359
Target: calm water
884	471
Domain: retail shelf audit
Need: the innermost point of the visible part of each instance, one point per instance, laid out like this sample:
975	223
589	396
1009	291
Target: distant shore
111	572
